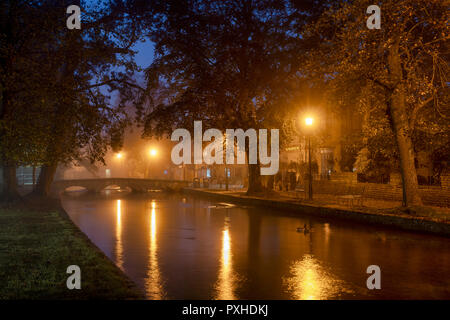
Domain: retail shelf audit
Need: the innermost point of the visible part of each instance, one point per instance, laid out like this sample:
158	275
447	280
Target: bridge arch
134	184
75	189
115	186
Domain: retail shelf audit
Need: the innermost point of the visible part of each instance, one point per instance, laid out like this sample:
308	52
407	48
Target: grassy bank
36	247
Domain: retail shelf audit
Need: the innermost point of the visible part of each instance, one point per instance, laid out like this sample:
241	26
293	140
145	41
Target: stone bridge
135	184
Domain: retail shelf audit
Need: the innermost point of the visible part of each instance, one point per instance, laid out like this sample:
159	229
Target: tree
227	63
55	85
402	66
20	33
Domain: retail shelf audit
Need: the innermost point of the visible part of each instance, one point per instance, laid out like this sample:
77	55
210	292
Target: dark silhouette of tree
227	63
55	84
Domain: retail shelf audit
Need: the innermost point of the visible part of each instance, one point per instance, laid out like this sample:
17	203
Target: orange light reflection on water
119	246
153	284
227	280
309	280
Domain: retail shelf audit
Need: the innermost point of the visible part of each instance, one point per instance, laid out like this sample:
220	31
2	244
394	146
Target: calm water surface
178	247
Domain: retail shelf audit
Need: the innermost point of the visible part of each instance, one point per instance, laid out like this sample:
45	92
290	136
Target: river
182	247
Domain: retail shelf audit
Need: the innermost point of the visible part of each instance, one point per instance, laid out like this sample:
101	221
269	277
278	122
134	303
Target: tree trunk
402	132
34	176
45	180
411	194
254	179
270	182
8	184
226	178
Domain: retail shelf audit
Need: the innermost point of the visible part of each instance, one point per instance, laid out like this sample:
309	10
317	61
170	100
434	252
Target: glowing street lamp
119	155
153	152
309	121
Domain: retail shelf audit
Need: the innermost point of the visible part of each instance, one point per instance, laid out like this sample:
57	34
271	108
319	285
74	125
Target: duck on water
304	229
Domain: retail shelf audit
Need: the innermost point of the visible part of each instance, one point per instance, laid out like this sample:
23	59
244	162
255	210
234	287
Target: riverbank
426	221
37	246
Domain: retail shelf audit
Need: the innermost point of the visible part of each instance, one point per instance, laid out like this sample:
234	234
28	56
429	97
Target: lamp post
152	153
119	157
309	122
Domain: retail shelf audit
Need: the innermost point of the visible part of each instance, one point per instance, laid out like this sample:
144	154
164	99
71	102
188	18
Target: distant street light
153	152
119	155
309	122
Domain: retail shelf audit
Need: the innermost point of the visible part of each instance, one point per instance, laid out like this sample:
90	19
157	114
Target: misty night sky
144	55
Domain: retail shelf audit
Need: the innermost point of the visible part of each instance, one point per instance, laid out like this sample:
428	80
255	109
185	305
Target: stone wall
445	181
433	196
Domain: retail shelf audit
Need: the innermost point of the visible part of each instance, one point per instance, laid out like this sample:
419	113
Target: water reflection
175	247
226	282
119	246
309	280
153	283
